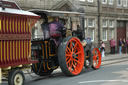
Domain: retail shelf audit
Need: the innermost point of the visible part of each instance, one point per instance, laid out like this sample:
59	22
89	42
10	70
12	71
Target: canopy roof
56	13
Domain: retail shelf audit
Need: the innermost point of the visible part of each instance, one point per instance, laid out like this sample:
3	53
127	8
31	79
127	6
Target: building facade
104	19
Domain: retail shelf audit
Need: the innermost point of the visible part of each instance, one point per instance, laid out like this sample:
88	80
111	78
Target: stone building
104	19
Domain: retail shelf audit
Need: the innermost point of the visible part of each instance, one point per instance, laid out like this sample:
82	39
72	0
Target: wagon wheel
71	56
16	77
96	58
89	60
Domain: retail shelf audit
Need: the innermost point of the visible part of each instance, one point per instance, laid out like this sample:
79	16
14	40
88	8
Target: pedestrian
112	46
127	45
120	46
102	47
124	45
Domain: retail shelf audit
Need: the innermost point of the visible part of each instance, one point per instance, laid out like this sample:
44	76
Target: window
90	0
111	23
81	0
111	33
104	34
74	25
91	33
125	2
37	31
111	2
90	22
104	23
121	24
104	1
119	2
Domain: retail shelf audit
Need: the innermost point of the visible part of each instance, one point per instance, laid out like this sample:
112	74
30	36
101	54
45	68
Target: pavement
114	56
110	59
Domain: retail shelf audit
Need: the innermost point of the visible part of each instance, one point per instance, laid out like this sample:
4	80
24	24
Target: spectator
102	47
112	46
124	46
120	46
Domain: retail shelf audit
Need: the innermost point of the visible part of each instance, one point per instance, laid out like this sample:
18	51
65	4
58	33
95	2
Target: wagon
15	42
67	48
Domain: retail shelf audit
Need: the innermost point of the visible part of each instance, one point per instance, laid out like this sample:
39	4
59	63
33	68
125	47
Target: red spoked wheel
71	56
96	58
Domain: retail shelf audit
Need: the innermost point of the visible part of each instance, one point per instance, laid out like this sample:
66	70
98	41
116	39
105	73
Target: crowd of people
122	46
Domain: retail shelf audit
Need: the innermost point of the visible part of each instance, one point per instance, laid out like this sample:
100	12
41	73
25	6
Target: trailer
67	48
15	42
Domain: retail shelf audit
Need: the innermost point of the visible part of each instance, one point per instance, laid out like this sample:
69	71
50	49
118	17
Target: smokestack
1	5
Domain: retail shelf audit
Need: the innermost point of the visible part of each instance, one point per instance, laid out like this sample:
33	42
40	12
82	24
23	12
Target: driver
55	30
56	27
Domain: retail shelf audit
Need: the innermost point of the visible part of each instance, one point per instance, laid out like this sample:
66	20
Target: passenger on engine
45	28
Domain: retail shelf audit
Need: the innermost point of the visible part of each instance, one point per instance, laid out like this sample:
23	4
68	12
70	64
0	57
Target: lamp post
99	7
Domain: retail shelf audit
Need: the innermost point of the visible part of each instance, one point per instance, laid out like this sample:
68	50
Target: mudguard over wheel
38	69
16	77
71	56
96	58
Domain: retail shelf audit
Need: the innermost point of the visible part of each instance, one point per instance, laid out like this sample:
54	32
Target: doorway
121	32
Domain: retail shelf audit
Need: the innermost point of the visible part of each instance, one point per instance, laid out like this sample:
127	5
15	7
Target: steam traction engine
71	52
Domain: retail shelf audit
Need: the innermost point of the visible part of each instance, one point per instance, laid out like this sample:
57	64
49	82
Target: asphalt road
112	74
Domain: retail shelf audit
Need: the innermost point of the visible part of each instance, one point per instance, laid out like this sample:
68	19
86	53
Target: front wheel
16	77
71	56
96	58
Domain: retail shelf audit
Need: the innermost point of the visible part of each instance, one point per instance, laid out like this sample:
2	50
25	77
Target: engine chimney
1	5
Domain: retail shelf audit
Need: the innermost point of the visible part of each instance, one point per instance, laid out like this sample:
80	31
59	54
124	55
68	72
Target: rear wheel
71	56
96	58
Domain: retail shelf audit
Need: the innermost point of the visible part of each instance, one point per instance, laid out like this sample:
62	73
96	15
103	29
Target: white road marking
99	81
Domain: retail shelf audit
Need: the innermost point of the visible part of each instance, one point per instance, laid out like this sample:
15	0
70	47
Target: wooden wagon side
15	39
